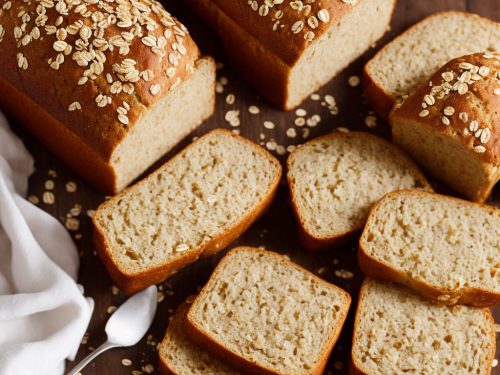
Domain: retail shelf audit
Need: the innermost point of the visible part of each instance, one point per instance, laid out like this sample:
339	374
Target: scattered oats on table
230	99
344	274
269	124
71	187
49	185
354	81
126	362
48	198
254	110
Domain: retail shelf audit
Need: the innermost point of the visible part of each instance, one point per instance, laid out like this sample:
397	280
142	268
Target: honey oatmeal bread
409	60
194	205
398	332
266	315
335	180
108	86
451	125
446	249
179	356
287	49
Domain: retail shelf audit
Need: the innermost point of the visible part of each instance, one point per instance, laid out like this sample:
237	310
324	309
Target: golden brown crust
132	282
356	369
197	334
52	58
382	271
309	240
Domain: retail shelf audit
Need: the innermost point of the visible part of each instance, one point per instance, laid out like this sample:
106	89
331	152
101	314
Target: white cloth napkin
43	313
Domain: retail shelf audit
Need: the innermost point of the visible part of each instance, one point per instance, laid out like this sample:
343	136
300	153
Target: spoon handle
84	362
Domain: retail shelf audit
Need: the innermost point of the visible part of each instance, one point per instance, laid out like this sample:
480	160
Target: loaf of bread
179	356
451	125
409	60
108	86
398	332
335	180
266	315
194	205
446	249
288	49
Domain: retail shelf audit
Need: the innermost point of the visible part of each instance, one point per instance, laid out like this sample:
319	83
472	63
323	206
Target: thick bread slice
410	59
446	249
336	179
397	332
267	315
196	204
179	356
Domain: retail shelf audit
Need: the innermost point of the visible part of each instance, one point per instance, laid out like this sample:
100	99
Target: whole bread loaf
451	124
446	249
194	205
108	86
404	64
288	49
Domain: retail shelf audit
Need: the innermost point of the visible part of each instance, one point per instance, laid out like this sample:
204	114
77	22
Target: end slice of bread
409	60
398	332
194	205
446	249
335	180
266	315
179	356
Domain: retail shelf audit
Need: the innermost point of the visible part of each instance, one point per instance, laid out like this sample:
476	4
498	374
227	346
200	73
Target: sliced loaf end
179	356
194	205
435	245
398	332
335	179
266	315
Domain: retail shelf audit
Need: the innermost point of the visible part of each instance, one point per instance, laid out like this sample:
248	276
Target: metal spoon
127	325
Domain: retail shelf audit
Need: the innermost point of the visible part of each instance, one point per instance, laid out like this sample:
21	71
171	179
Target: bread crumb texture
444	242
397	332
266	310
336	179
197	196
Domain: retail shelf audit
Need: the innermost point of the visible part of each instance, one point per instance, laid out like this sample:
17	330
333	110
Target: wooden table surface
276	231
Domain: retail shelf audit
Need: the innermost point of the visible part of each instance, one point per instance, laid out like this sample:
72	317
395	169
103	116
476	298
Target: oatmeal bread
451	125
446	249
287	49
335	180
266	315
398	332
108	86
404	64
194	205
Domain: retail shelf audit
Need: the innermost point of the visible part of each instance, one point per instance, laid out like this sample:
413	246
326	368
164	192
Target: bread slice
410	59
289	50
266	315
179	356
446	249
449	125
398	332
194	205
334	180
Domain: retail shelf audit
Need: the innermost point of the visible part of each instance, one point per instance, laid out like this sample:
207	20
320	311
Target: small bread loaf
451	124
404	64
179	356
398	332
336	179
108	86
287	50
266	315
446	249
194	205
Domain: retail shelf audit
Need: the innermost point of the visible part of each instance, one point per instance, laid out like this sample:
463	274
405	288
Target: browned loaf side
398	332
109	87
446	249
194	205
289	50
266	315
452	128
404	64
335	179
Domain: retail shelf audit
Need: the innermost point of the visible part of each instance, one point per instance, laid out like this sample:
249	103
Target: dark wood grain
275	231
